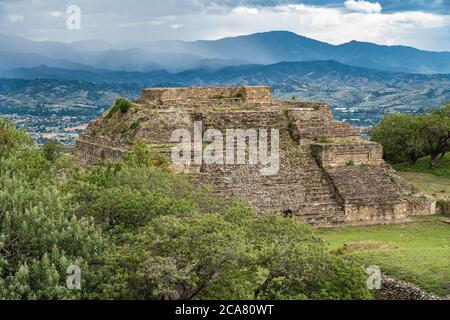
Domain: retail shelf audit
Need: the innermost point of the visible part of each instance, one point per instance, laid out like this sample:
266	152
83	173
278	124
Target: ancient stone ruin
328	175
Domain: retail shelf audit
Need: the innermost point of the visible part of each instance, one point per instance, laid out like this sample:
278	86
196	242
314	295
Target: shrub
134	125
53	150
324	140
122	105
443	206
40	234
12	139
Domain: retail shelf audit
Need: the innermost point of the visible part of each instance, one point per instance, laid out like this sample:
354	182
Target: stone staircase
366	184
301	188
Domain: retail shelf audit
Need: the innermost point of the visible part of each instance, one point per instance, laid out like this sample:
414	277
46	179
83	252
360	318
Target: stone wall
314	124
394	289
300	188
90	153
341	154
260	95
370	195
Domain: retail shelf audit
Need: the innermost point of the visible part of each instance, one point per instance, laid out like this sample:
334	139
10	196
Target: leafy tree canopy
138	231
408	137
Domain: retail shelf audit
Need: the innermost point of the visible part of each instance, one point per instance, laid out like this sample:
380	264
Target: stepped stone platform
328	175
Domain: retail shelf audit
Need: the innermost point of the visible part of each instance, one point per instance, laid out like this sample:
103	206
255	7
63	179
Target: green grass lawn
423	165
436	186
418	252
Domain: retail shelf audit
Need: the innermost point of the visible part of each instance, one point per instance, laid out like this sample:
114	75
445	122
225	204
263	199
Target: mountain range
327	72
176	56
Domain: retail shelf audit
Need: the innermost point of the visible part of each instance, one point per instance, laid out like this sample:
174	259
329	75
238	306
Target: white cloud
363	6
156	22
176	26
245	10
55	13
16	17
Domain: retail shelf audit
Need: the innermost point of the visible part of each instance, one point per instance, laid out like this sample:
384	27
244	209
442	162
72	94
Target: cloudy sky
420	23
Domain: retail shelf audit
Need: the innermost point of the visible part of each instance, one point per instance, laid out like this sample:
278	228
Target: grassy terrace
418	252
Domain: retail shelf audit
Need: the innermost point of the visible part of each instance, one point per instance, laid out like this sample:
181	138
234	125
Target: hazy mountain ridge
260	48
327	72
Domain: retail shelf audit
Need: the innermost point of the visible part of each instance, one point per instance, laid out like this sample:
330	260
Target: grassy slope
423	166
417	252
435	181
439	187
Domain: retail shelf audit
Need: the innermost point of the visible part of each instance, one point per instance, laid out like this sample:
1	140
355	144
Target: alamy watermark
249	146
374	279
73	280
73	22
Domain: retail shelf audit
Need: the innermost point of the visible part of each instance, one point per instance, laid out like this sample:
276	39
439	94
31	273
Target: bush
53	150
12	139
443	206
121	105
231	255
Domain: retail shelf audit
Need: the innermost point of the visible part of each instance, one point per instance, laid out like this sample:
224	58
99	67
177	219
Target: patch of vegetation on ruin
121	105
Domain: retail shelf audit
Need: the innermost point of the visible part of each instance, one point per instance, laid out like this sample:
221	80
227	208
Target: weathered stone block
342	154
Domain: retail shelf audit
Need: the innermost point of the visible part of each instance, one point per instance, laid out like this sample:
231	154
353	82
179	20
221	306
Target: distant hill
34	53
13	60
283	46
279	46
327	72
260	48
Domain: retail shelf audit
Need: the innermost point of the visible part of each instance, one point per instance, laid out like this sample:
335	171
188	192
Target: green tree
400	137
12	139
231	255
53	150
435	130
40	235
143	156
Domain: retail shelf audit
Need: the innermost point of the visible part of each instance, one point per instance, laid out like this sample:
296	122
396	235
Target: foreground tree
138	231
12	139
40	235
